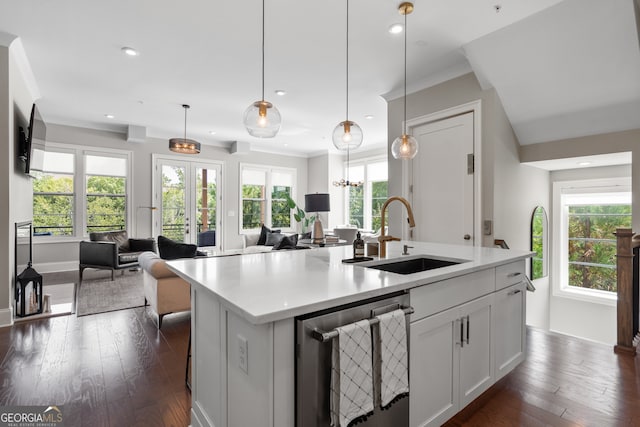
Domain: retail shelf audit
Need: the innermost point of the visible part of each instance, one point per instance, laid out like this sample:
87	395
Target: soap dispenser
358	247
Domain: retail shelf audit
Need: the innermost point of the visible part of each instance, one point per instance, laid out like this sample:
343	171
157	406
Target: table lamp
318	202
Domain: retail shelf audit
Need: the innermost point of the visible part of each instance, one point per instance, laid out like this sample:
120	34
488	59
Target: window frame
560	287
367	188
80	194
268	171
74	222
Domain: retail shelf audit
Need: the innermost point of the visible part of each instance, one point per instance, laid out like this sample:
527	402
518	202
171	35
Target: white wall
56	256
15	186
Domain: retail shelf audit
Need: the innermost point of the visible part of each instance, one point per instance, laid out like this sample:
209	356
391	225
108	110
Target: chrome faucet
383	239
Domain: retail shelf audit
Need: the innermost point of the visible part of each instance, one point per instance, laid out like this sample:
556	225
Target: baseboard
6	316
54	267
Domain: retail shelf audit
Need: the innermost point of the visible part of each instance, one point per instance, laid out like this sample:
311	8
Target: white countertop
272	286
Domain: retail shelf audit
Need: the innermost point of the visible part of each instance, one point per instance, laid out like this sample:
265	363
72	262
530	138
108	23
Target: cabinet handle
514	274
467	329
513	292
461	334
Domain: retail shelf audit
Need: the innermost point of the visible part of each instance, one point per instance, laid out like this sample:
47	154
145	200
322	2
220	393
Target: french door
188	197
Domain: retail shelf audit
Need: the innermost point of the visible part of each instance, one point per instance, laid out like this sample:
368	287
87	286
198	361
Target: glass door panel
174	220
190	202
206	205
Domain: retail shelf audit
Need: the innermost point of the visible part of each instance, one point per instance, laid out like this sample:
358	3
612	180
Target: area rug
102	295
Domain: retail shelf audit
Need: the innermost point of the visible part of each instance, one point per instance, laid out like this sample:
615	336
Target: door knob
467	237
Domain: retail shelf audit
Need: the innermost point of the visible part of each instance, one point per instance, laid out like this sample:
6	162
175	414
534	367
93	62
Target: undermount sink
413	265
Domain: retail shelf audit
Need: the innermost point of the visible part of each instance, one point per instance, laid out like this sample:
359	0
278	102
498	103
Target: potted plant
300	215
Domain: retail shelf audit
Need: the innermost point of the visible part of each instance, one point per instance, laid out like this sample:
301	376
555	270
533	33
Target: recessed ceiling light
368	117
110	116
396	28
281	92
212	132
584	163
130	51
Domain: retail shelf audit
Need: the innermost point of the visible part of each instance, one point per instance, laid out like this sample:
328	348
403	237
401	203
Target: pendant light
184	145
347	135
346	183
405	147
262	119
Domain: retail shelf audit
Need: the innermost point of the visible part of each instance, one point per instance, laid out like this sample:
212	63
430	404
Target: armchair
112	250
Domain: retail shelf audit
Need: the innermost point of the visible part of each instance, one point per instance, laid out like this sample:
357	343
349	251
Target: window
80	191
365	203
589	216
53	195
264	197
106	183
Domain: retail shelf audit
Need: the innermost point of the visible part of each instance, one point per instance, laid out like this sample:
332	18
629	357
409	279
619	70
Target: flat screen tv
32	142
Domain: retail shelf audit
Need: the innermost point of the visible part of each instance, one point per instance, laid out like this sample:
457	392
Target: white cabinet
466	333
450	361
509	326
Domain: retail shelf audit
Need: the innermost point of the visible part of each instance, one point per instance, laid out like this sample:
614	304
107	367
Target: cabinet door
509	327
433	374
476	363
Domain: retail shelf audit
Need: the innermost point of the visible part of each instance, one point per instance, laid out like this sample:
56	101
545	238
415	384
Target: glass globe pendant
405	147
347	134
262	119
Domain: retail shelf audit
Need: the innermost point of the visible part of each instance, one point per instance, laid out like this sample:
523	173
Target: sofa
112	250
268	240
164	290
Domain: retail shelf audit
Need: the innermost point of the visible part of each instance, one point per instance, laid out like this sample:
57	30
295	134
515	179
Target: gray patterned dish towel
351	374
394	377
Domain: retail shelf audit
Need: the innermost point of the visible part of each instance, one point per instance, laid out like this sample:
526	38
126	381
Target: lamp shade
317	202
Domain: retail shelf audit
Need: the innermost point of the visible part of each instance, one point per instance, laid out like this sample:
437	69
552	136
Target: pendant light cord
404	123
185	122
347	62
262	50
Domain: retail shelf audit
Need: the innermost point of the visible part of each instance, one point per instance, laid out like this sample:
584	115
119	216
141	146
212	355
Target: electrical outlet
243	354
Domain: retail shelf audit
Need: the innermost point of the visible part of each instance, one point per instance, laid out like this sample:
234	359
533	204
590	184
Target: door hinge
470	164
410	188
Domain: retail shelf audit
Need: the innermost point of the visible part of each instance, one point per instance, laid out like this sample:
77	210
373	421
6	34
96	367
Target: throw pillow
173	250
274	238
262	240
287	242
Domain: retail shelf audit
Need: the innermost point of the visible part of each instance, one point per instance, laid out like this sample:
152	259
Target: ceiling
561	68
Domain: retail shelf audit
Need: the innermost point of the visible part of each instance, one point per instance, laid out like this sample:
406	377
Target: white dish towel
351	374
394	374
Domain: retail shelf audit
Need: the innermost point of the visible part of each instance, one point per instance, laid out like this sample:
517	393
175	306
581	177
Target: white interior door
189	201
442	187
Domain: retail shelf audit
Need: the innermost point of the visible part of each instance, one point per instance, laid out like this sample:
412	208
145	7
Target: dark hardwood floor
117	369
565	381
111	369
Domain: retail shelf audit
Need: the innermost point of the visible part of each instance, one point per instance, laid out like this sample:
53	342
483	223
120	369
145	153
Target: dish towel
351	374
394	374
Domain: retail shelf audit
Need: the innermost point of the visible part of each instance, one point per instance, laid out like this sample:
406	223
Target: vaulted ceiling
561	68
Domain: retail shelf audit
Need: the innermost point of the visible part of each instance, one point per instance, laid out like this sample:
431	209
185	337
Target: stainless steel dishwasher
313	362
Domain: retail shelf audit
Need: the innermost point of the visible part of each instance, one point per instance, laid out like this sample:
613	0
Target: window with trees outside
54	195
106	183
80	191
365	202
590	216
264	197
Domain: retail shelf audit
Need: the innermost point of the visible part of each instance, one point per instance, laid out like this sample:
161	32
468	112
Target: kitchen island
244	310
